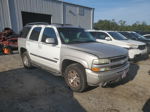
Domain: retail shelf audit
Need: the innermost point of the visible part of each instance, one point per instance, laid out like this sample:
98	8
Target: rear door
32	43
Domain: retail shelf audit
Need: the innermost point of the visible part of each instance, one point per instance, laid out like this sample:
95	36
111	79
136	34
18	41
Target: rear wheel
75	77
26	60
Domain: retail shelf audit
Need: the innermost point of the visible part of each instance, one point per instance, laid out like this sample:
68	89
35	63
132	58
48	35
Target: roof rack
45	23
37	23
58	24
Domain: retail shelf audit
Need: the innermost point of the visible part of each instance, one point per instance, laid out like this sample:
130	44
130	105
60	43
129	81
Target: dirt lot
36	90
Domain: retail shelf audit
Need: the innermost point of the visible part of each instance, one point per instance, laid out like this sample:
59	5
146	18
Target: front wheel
75	77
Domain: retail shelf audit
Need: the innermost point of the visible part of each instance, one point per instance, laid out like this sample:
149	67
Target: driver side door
49	53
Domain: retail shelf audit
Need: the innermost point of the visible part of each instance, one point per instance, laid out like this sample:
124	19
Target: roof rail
59	24
45	23
37	23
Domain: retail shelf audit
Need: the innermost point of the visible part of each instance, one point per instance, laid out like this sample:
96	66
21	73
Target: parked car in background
135	36
147	36
72	53
135	48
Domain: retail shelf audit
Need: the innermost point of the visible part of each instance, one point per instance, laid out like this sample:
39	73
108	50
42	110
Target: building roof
72	4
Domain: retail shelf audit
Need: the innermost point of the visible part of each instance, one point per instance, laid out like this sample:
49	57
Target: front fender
76	59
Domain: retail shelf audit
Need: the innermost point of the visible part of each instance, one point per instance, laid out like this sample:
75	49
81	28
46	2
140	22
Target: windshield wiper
90	41
77	41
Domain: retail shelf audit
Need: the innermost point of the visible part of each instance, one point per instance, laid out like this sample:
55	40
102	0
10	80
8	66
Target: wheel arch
22	50
67	62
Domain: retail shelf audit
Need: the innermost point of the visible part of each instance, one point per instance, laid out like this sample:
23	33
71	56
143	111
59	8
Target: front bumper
133	53
96	78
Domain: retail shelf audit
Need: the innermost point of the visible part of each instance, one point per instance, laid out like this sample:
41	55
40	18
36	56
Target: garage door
28	17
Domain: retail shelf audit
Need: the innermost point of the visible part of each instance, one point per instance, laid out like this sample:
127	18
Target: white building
16	13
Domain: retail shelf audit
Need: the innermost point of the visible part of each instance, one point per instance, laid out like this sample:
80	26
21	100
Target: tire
75	77
26	60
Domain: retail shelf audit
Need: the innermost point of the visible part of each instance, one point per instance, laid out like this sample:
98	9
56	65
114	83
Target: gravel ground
36	90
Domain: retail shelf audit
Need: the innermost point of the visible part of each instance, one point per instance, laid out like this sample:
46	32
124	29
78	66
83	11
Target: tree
121	26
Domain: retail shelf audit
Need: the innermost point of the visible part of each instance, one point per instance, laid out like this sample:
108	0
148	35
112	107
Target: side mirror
108	38
50	41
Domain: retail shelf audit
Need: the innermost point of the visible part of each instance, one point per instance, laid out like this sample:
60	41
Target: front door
49	53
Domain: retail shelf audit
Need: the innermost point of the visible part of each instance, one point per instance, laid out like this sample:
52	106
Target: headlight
133	46
101	61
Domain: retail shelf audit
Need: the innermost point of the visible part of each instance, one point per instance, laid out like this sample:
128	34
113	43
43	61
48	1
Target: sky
128	10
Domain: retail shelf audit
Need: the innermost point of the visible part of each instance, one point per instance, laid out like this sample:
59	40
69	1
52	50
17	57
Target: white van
135	48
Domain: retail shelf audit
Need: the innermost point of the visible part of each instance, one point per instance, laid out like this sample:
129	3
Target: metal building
17	13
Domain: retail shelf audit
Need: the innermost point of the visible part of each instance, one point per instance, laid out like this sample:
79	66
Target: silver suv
72	53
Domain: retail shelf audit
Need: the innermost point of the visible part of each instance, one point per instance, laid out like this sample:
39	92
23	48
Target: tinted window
25	32
138	35
93	34
48	33
35	33
128	35
101	35
117	36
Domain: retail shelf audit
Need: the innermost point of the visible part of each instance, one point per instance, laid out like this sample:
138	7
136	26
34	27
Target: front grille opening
118	59
119	65
141	47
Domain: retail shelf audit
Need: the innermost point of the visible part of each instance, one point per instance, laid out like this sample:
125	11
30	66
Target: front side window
117	36
101	35
35	34
48	33
75	35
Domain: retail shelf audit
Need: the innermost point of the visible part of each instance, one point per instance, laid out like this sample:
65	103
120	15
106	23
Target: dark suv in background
136	36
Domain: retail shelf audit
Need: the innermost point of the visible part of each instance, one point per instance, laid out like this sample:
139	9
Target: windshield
138	35
117	36
75	36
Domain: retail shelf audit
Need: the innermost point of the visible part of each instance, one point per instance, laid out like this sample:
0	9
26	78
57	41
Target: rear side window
25	32
35	34
93	34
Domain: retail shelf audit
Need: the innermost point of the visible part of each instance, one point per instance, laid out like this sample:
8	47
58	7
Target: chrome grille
119	65
118	59
119	62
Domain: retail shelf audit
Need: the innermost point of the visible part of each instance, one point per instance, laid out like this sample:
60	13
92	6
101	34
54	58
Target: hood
125	43
99	49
